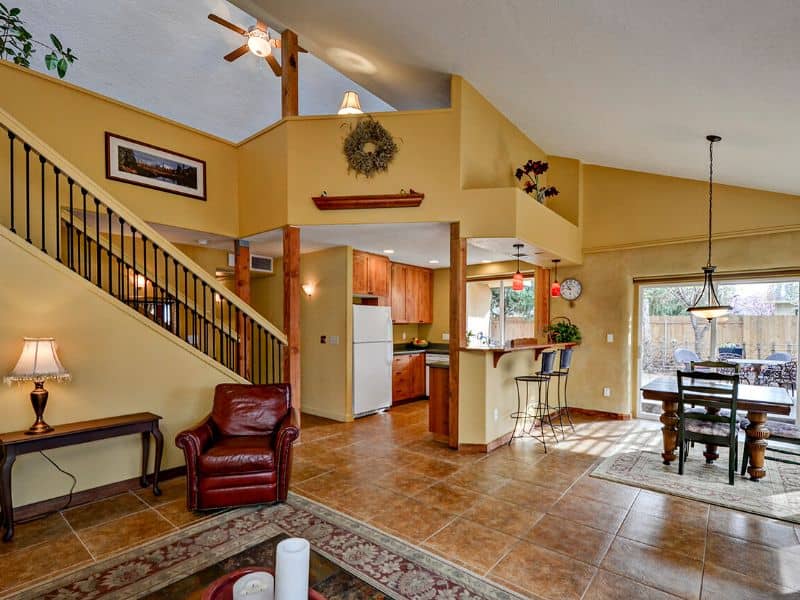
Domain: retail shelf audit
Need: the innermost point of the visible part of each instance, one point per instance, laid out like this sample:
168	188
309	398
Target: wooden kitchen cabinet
408	377
412	294
439	404
371	274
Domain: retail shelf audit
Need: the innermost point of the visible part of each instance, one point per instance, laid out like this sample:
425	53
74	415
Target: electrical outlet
496	415
610	338
607	392
445	337
333	340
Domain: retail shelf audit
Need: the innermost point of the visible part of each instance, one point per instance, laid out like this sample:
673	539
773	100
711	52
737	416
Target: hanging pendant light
518	281
555	287
707	304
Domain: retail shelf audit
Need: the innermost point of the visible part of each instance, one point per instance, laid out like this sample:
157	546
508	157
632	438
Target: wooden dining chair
718	392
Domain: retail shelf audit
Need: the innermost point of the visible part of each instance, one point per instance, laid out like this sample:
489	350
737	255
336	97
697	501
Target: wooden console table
13	444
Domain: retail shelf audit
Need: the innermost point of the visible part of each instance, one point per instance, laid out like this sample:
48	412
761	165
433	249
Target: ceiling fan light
351	105
259	45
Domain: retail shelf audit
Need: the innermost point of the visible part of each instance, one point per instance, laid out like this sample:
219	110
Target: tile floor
535	523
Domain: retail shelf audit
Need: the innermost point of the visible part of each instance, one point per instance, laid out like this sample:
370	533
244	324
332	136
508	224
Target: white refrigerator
372	358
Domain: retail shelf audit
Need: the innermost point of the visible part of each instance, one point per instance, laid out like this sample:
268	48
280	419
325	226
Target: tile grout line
75	533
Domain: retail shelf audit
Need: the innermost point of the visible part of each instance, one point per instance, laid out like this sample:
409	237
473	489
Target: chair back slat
712	390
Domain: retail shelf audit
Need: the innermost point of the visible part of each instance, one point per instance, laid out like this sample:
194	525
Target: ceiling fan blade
228	24
240	51
273	64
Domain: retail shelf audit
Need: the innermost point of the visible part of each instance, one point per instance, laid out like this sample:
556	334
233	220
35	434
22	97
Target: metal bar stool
564	363
540	411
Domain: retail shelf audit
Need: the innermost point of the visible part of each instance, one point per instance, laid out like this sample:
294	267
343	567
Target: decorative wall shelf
411	199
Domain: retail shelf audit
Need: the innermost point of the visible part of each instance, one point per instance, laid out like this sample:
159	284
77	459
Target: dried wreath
369	148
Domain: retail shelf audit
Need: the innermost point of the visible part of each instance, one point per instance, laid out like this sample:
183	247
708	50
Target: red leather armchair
242	452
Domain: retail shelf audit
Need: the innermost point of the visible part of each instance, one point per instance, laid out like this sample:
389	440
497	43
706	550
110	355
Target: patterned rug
777	495
393	567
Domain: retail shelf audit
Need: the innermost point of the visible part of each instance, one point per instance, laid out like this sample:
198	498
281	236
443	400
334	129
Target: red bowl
222	588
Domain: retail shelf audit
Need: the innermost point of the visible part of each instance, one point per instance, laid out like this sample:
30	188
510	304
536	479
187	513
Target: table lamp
38	362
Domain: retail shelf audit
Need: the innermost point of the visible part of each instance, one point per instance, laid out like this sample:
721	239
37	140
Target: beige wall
266	294
263	181
120	363
74	121
327	368
411	330
434	331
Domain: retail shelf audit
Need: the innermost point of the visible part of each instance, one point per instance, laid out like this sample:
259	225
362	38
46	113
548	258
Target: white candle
292	557
259	585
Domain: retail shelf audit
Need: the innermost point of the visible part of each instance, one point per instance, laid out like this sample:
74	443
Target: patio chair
782	356
715	391
685	357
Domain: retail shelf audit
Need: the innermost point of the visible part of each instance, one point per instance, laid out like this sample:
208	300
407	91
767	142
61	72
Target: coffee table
325	577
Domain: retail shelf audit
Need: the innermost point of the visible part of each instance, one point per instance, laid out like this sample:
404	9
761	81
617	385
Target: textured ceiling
634	84
166	57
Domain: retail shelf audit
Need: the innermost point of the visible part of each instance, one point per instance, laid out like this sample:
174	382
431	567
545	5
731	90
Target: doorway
761	333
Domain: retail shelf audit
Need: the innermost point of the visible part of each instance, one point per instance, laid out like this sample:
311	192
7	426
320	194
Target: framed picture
150	166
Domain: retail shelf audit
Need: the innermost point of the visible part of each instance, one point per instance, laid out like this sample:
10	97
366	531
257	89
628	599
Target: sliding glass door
761	333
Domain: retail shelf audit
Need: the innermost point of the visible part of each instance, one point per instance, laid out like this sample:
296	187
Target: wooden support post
291	310
289	97
541	299
458	322
241	275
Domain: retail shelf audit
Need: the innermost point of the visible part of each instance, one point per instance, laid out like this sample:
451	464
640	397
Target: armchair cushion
249	409
241	454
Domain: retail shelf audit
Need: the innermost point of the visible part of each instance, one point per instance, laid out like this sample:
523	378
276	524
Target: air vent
258	263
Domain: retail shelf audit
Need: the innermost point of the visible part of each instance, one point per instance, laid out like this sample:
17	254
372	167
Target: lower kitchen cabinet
439	403
408	377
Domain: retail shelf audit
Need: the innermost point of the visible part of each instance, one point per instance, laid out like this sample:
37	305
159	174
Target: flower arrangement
532	169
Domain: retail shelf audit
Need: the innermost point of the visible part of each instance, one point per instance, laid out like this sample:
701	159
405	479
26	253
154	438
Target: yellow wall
96	336
566	175
327	368
210	259
411	330
628	209
74	121
266	294
263	181
441	308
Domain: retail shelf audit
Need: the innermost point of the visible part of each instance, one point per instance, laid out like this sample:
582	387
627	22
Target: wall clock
571	289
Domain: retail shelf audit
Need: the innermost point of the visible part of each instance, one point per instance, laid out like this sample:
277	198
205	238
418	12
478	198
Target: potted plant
532	170
563	331
18	45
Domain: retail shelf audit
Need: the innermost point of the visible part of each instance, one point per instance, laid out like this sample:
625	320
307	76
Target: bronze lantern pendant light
707	304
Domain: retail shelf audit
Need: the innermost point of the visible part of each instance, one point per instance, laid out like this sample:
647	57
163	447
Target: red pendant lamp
518	281
555	287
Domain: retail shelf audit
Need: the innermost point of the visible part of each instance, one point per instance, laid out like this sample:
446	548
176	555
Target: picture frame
146	165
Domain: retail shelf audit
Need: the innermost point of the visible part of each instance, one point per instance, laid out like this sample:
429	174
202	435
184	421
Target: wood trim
458	323
588	412
537	350
241	278
42	507
541	300
291	310
109	135
289	75
790	272
412	199
486	448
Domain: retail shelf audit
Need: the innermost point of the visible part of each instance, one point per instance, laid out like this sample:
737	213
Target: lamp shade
38	362
350	104
518	282
555	289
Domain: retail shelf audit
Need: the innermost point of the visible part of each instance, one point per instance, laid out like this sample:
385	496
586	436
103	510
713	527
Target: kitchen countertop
402	348
438	366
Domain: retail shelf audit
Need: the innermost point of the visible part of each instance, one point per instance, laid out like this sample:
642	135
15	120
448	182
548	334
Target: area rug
777	495
395	568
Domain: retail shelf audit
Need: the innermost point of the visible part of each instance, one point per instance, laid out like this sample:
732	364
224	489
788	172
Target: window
496	314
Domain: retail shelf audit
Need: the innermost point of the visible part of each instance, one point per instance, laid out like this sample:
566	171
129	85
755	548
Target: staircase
53	206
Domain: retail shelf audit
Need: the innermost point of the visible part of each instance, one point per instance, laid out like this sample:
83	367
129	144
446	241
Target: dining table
757	400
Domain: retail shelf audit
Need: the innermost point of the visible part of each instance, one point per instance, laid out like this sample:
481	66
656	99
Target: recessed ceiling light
203	242
485	261
433	262
388	251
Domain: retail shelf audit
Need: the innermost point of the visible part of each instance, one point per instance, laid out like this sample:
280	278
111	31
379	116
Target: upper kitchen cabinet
412	294
370	274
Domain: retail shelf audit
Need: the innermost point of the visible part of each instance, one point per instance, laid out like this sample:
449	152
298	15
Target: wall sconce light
309	288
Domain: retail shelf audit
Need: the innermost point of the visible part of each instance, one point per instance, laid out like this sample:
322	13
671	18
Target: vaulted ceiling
635	84
166	57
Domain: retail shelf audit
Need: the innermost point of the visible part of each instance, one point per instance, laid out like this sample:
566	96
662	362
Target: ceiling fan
257	41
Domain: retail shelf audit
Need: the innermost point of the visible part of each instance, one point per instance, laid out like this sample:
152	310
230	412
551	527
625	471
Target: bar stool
564	362
540	410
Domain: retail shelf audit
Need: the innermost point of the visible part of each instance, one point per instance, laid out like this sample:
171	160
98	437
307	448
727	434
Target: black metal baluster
261	355
252	351
205	319
194	312
122	278
177	300
99	270
230	336
135	282
44	237
11	137
27	193
87	269
57	172
144	273
159	306
185	303
71	244
110	254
